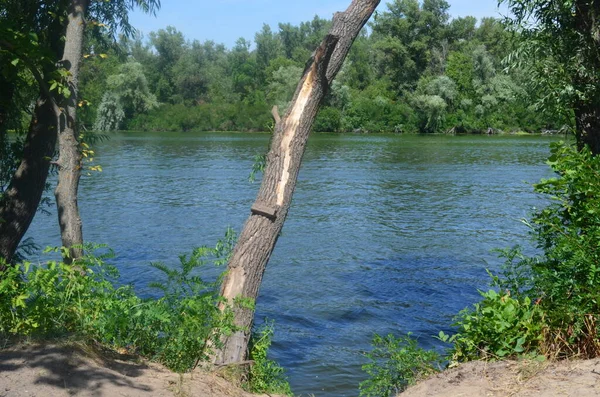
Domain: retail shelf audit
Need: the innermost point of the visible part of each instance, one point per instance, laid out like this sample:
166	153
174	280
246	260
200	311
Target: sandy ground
577	378
64	370
76	370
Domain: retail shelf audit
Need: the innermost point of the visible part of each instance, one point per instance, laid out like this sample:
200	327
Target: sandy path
75	370
577	378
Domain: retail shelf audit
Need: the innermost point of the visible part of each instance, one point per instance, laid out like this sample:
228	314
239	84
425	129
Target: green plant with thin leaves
396	363
183	319
265	375
85	301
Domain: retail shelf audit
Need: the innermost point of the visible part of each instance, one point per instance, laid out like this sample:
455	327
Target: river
386	233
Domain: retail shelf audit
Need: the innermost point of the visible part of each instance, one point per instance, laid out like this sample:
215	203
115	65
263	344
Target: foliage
203	117
282	84
559	48
549	305
395	364
432	112
392	80
265	375
328	119
259	165
127	94
85	300
565	279
497	327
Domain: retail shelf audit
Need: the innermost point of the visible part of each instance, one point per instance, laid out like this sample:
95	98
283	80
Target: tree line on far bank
413	70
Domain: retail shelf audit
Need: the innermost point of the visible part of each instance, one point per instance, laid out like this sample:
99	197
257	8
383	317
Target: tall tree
405	36
562	48
30	41
170	45
69	160
259	235
126	94
36	39
268	48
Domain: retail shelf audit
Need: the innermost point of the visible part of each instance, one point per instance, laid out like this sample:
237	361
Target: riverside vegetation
543	307
414	70
86	302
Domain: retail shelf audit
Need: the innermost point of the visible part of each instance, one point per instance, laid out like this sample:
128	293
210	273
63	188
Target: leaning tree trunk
70	159
257	240
22	198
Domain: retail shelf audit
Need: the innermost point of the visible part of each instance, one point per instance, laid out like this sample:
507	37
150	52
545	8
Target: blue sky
224	21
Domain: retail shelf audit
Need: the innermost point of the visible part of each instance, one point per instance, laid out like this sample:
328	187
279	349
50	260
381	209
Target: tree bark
24	192
587	127
259	235
70	158
587	112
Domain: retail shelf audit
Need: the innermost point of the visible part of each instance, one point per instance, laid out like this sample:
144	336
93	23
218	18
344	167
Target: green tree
560	44
127	95
170	45
40	37
242	64
405	36
282	85
268	48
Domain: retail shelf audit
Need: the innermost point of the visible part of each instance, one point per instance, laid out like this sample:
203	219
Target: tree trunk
24	192
70	158
587	112
587	127
259	235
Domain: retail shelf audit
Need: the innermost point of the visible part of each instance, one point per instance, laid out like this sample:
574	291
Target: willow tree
259	235
561	47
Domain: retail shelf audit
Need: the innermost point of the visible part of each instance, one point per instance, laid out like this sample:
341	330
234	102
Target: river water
386	234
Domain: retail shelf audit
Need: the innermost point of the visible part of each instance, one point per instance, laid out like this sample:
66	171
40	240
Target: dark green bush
328	120
551	303
203	117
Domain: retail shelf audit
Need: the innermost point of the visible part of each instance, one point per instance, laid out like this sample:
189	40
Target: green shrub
565	279
497	327
328	120
57	299
395	364
265	376
202	117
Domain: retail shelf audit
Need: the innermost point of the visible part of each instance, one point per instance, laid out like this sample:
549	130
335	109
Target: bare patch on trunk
291	125
236	281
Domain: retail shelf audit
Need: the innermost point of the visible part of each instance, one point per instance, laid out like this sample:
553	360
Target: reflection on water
386	233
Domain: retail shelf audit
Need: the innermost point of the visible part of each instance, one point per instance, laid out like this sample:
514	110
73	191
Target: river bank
579	378
75	369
